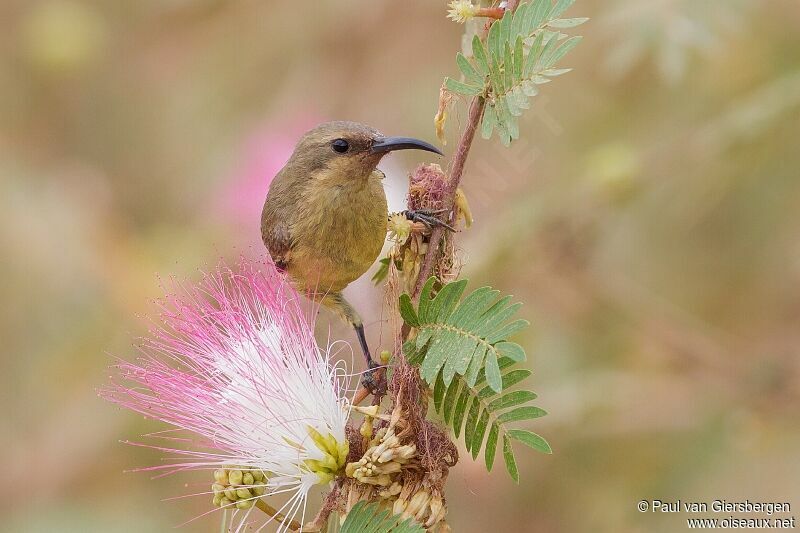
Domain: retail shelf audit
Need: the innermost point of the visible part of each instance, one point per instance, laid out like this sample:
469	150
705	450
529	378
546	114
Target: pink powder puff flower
235	363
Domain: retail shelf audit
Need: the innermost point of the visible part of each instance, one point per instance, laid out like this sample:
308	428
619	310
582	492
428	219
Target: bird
325	216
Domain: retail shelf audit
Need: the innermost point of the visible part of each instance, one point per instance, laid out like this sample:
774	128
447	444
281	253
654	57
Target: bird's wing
279	244
276	234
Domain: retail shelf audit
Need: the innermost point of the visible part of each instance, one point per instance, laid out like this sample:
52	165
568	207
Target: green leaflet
371	518
462	88
511	462
567	23
480	412
407	311
518	54
462	337
464	354
531	439
383	270
471	75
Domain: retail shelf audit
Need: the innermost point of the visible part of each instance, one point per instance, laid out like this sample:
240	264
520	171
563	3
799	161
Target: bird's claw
374	379
427	217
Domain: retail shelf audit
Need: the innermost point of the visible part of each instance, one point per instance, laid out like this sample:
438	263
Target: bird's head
348	150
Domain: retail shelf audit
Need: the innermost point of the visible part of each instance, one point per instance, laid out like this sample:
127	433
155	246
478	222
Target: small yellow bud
243	494
366	428
230	494
221	476
235	477
245	504
462	207
371	411
248	479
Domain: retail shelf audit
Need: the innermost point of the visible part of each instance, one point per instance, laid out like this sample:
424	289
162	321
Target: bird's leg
362	340
375	378
427	217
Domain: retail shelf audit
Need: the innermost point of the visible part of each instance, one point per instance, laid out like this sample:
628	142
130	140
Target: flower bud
221	476
235	477
252	484
245	504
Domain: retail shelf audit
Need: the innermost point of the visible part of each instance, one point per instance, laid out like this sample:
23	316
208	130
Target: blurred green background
649	217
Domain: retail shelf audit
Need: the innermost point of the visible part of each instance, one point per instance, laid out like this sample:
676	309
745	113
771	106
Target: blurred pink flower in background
262	154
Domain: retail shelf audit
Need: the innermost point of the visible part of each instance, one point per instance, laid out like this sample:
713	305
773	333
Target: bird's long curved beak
389	144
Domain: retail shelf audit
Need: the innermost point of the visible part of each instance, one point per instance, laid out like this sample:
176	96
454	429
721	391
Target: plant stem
281	519
459	160
224	526
490	12
456	172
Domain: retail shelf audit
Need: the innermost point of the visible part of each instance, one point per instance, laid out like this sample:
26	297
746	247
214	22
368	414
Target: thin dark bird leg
362	340
375	378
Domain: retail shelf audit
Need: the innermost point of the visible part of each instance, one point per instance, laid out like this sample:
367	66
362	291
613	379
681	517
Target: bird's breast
348	223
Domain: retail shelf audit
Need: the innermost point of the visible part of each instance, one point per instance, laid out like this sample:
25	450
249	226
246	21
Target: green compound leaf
462	337
463	353
371	518
518	54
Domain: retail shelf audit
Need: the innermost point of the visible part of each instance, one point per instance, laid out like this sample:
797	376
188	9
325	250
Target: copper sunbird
324	219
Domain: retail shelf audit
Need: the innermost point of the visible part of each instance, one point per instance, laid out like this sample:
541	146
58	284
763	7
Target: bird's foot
427	217
374	379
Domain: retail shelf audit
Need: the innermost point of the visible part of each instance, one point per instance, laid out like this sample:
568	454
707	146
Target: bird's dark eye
340	146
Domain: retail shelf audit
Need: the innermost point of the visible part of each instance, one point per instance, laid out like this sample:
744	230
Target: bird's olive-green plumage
324	219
